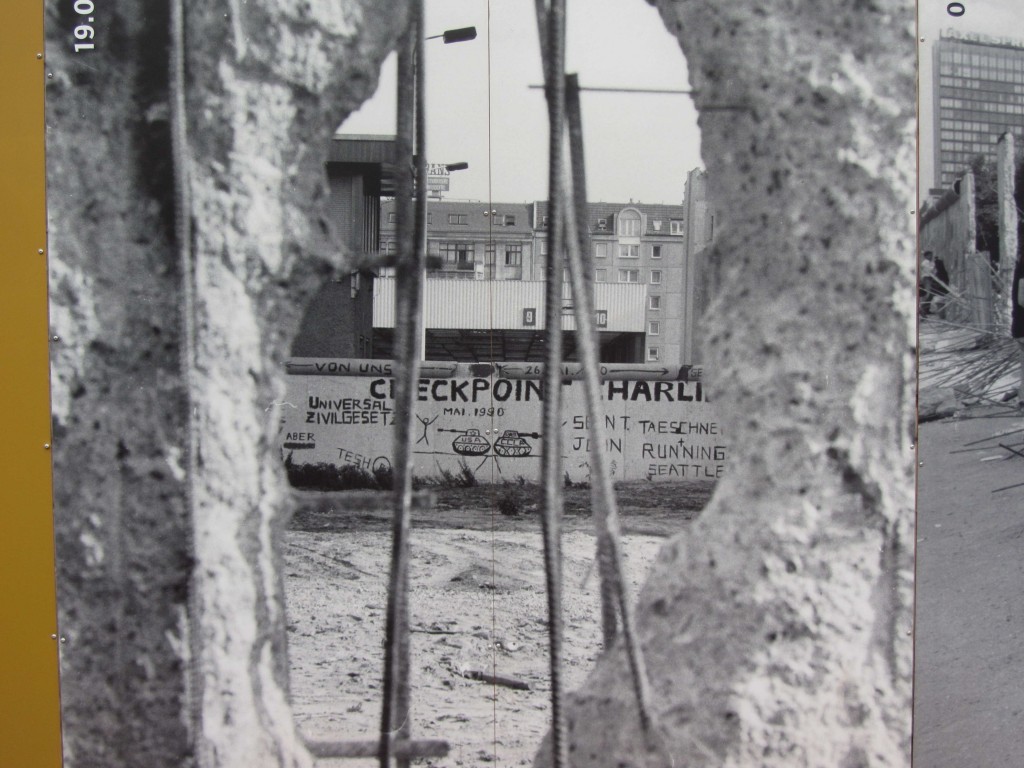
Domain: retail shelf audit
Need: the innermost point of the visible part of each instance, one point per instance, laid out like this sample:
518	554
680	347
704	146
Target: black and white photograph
971	413
508	383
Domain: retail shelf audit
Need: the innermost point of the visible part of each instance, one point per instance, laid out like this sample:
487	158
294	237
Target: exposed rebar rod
552	22
582	280
606	515
395	720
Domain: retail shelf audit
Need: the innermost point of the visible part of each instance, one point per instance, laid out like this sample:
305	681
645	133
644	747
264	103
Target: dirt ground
477	604
969	626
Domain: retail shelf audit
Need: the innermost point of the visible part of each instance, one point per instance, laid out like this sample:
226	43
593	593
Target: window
602	223
654	328
629	251
657	225
543	221
513	254
542	246
654	302
653	354
629	275
676	226
510	220
462	219
629	224
601	275
601	250
655	251
459	254
391	217
655	277
490	269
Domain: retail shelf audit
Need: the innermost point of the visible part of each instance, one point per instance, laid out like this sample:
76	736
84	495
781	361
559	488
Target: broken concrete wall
145	536
778	629
948	230
777	632
1005	175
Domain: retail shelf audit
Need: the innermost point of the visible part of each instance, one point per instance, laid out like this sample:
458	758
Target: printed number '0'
84	7
956	9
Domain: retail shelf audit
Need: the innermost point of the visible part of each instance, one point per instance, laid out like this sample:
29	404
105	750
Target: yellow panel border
29	694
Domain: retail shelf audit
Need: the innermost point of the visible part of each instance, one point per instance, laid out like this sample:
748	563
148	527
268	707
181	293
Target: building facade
632	244
978	96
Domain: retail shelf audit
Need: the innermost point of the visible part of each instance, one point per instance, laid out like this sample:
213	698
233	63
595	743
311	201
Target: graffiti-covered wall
486	419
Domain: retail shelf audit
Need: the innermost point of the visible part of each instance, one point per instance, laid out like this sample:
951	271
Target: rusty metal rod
606	515
395	719
552	22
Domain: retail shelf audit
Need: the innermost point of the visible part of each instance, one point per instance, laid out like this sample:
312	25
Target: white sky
637	146
999	18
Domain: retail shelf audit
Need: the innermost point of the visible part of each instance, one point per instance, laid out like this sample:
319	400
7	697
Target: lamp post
410	138
449	167
449	36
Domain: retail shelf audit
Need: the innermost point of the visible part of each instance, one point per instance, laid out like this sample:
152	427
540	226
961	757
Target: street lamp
460	35
461	166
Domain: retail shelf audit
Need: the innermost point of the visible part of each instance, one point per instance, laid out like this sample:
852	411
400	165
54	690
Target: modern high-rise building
978	96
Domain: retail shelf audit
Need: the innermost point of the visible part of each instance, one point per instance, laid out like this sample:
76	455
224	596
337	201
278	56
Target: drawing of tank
511	443
471	443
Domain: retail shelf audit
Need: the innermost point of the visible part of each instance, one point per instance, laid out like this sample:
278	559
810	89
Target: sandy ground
477	603
969	638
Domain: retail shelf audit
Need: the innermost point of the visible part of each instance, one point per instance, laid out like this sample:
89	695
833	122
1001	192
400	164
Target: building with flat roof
978	96
484	297
644	293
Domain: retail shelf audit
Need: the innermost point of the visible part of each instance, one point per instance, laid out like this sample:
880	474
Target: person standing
926	283
1017	323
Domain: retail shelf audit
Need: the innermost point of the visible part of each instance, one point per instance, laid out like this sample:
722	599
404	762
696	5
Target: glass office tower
978	96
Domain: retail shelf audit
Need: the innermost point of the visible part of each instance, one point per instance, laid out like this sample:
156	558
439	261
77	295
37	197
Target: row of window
514	251
976	88
462	219
625	251
993	59
999	76
949	102
987	111
629	222
628	276
464	253
629	225
967	125
968	148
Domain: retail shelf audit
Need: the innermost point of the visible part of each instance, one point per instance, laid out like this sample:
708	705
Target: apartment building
633	244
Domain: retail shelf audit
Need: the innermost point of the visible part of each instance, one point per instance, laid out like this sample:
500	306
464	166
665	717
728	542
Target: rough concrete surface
778	630
777	633
267	84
